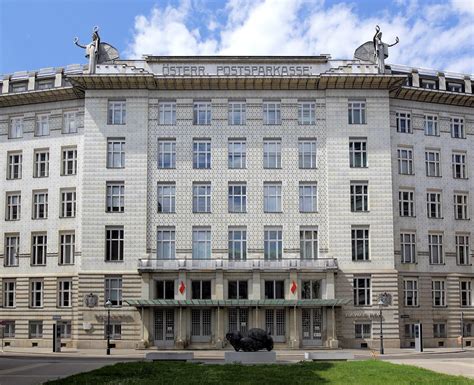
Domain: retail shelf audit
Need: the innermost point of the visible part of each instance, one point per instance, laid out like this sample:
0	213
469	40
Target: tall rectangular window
41	166
408	247
311	289
435	247
439	329
166	243
202	113
9	329
273	243
362	295
363	330
65	293
237	290
465	291
9	293
16	128
13	207
432	163
459	165
166	197
406	203
201	289
67	248
113	290
36	292
116	153
360	243
272	153
307	153
42	125
117	112
272	197
237	198
70	122
164	289
237	113
410	291
308	196
358	152
237	243
403	122
202	154
12	249
167	113
438	292
114	243
457	128
271	113
307	113
65	329
308	243
115	197
69	161
201	242
274	289
166	153
405	161
359	196
113	330
433	202
461	206
68	203
356	112
237	153
462	249
40	204
35	329
431	125
201	197
14	165
39	249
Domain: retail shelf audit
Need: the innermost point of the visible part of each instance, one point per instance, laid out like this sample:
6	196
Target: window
115	197
360	244
35	329
356	110
408	247
274	289
457	128
65	329
114	243
358	152
45	84
308	243
19	87
461	207
13	211
359	196
454	87
36	292
271	113
428	84
113	290
462	249
12	249
403	122
308	197
273	243
202	154
68	204
202	113
67	248
237	113
9	289
363	330
167	113
14	165
405	161
165	243
70	122
16	128
42	125
465	288
201	243
167	153
432	163
114	330
439	329
164	290
237	244
201	289
69	156
468	329
406	203
41	167
433	201
435	246
39	249
237	199
410	291
272	197
9	329
166	198
272	153
237	155
459	165
307	153
116	112
431	125
306	112
410	331
237	290
201	197
311	289
438	292
116	153
362	295
65	293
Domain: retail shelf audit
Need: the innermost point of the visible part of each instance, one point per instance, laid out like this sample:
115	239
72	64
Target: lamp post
381	304
108	305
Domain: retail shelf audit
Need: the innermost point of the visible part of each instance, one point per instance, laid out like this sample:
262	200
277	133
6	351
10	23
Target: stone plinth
250	357
328	356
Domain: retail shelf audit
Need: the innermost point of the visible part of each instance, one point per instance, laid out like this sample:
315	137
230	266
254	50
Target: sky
436	34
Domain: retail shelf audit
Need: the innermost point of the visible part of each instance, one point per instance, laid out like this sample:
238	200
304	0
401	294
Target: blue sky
433	33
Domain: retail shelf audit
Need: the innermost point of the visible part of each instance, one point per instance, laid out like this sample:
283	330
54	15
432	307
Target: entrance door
239	320
164	327
312	326
275	324
200	325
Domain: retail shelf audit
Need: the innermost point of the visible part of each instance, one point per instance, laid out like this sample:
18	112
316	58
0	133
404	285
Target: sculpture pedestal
250	357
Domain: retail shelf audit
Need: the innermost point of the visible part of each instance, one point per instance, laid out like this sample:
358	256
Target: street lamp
108	305
381	304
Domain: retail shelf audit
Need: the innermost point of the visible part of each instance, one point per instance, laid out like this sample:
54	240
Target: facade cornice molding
41	96
433	96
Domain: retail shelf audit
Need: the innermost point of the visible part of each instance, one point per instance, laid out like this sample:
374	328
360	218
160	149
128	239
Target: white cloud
428	35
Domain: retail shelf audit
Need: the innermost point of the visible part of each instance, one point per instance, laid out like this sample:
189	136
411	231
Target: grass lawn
179	373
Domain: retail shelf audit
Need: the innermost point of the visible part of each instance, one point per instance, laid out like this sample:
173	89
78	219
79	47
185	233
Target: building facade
203	195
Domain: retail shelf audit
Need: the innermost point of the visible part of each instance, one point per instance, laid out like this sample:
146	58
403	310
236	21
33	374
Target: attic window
44	84
454	87
428	84
19	87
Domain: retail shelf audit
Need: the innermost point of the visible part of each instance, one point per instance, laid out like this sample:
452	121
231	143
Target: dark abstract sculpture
257	339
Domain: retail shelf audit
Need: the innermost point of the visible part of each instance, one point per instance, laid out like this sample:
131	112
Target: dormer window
454	87
44	84
428	84
19	87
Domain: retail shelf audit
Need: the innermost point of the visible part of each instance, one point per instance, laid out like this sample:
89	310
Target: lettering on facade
234	70
114	317
361	314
